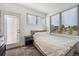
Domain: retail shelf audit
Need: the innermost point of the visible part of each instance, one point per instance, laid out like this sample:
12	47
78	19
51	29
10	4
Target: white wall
24	28
48	22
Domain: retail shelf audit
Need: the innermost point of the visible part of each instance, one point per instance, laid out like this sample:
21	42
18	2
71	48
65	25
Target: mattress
53	45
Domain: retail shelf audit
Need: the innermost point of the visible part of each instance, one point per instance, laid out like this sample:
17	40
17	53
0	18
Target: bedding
54	45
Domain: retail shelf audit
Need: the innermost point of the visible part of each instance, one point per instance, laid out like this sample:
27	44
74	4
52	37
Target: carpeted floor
29	50
23	51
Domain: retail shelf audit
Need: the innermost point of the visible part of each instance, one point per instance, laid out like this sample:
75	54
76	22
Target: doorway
11	29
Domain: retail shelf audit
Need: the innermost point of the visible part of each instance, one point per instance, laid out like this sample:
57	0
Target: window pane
69	21
31	19
55	23
41	20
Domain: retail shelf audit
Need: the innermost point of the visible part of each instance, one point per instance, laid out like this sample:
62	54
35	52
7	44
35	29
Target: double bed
52	45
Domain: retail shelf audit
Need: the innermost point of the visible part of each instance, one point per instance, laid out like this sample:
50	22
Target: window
55	23
65	22
41	21
36	20
69	21
32	19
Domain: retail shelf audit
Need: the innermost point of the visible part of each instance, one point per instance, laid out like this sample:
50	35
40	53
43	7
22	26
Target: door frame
5	23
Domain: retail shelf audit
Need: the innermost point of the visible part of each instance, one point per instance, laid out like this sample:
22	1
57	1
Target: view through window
68	21
55	23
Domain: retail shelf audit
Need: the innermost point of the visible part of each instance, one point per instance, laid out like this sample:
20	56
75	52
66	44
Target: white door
11	29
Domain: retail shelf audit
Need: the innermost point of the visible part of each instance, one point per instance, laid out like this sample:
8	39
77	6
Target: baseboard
15	45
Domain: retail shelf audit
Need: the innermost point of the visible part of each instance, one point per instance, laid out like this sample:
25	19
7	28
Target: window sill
64	35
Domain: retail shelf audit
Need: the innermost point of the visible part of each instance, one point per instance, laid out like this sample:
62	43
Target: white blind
55	20
31	19
69	17
41	21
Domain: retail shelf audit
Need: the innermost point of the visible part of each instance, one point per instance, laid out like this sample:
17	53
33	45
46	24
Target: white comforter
54	45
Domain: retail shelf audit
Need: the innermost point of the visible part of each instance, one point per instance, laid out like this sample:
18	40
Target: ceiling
48	7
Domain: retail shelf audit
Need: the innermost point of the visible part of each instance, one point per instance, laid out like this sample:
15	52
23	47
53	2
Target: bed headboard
35	31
